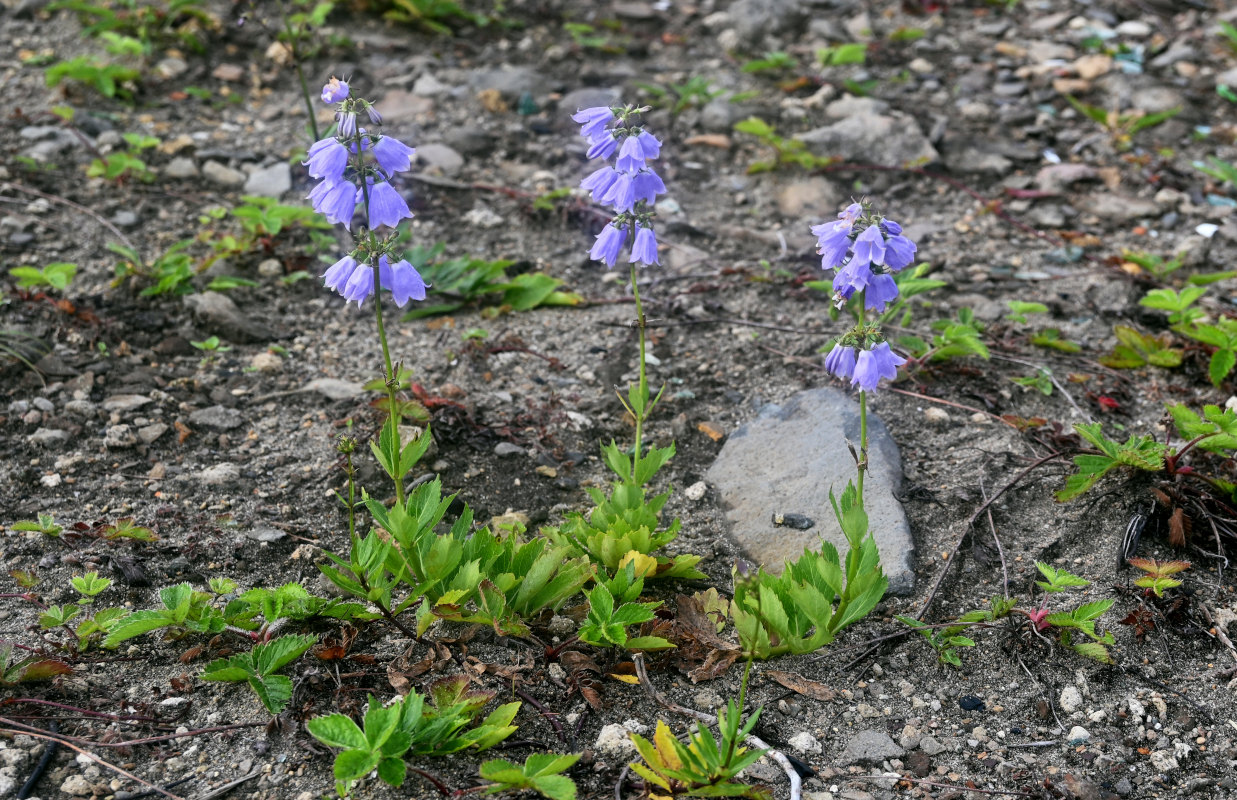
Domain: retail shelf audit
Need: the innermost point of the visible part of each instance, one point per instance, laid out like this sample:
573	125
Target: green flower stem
392	379
863	443
300	73
644	381
351	498
862	466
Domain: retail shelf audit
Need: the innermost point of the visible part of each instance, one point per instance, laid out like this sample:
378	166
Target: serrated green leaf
337	730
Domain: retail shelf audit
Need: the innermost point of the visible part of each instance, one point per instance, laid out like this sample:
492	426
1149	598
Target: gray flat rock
335	389
893	138
217	417
786	460
870	747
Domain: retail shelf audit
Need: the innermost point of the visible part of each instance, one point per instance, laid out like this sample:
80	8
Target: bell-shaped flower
327	160
872	365
402	279
644	249
337	275
608	244
593	120
386	206
334	91
841	361
361	285
599	182
335	201
392	154
602	145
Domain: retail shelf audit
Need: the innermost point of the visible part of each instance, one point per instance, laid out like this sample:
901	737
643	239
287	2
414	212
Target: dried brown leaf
402	670
1178	527
700	652
801	685
583	675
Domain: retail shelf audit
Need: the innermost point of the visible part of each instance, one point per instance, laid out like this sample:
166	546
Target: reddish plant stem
103	715
38	734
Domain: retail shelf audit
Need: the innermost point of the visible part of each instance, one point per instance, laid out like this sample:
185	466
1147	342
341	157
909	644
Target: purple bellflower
833	238
335	201
872	365
347	123
594	120
392	154
337	195
360	286
608	244
386	206
337	275
602	145
598	183
841	361
335	91
644	249
327	160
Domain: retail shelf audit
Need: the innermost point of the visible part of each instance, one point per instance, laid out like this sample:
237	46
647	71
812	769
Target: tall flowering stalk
355	168
864	249
630	187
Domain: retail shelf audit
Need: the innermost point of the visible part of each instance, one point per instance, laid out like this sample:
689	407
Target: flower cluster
863	363
630	186
864	250
355	167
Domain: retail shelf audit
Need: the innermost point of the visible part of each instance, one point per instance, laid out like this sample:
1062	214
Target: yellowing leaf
645	565
628	679
666	746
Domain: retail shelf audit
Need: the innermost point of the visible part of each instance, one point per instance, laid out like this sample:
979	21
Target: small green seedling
90	585
1018	310
842	54
1156	578
945	641
57	276
540	773
258	668
183	610
773	61
126	528
1041	381
606	626
45	525
441	727
705	766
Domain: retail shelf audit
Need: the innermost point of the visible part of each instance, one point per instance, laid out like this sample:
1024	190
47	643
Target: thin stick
921	782
618	787
1042	694
65	738
55	199
796	783
20	729
1052	378
148	792
966	529
1220	633
49	751
227	787
1000	550
549	715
